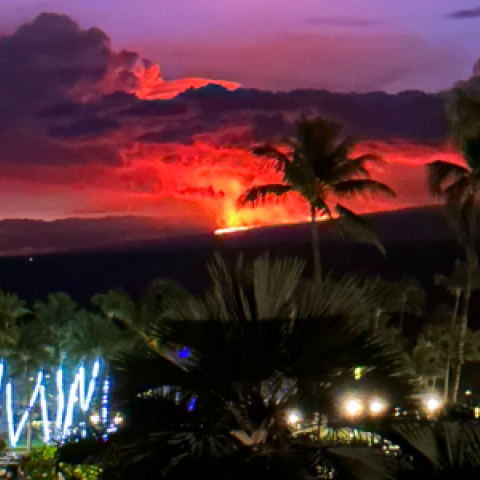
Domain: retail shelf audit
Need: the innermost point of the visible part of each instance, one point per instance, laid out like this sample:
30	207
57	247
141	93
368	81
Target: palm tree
428	362
442	450
318	166
93	336
12	310
119	307
454	285
262	340
53	319
458	185
29	354
411	298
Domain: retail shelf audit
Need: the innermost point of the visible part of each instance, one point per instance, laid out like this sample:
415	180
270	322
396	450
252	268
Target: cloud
61	83
88	131
349	22
464	14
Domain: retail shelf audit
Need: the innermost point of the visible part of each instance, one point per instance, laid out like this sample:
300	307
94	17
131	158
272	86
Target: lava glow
223	231
92	153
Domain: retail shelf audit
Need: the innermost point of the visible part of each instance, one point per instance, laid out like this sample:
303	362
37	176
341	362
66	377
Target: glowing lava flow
224	231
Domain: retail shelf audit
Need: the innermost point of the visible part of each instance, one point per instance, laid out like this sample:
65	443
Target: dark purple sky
340	45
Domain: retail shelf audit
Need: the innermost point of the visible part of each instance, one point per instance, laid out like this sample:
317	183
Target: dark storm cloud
348	22
465	14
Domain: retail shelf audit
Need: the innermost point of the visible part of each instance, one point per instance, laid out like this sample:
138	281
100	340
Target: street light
432	404
293	417
353	407
376	406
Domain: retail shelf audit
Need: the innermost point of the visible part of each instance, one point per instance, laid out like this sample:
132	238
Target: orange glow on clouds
199	185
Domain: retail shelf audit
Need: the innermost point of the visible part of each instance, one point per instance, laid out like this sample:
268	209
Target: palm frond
358	228
116	304
280	160
357	463
441	173
356	167
363	187
262	193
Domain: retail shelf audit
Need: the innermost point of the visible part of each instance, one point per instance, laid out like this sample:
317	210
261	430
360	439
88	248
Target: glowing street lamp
293	417
353	407
377	407
432	404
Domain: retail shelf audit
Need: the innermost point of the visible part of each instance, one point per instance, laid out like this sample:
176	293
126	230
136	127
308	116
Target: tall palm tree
318	166
454	285
29	354
428	362
459	185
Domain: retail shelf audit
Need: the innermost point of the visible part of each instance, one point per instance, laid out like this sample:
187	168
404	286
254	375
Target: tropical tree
24	359
120	308
429	362
262	340
92	337
442	450
12	311
458	184
318	166
53	318
454	285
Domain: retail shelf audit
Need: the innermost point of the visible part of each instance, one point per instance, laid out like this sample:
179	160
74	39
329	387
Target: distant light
118	419
433	404
376	406
468	392
293	417
95	418
30	259
358	372
353	407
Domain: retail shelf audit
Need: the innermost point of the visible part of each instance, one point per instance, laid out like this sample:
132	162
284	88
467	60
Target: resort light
95	418
432	404
377	406
293	417
118	419
353	407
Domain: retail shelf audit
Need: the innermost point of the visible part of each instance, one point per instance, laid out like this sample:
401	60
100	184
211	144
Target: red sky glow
89	130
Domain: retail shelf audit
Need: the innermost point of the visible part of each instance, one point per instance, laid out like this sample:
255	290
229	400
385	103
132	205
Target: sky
284	44
96	118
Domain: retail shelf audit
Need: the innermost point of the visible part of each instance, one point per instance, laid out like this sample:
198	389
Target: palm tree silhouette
454	285
263	339
458	185
318	166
